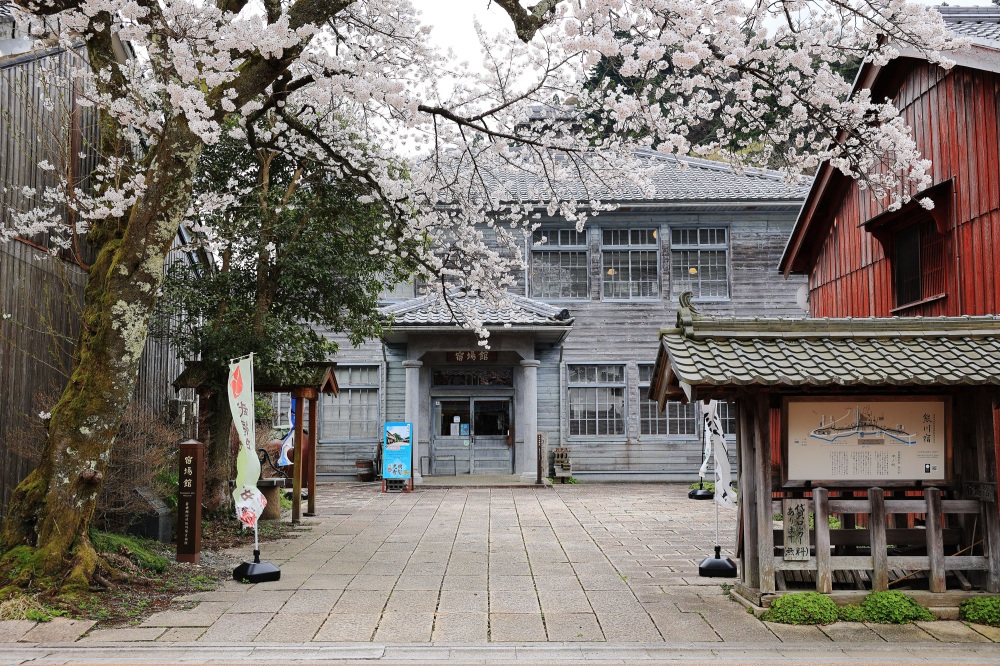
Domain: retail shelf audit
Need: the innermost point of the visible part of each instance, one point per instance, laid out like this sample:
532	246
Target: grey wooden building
572	358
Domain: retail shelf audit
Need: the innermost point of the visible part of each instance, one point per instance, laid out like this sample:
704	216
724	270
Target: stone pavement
440	572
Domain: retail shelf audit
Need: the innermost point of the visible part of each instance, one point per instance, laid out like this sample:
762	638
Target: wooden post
765	531
750	571
991	537
297	461
876	533
935	543
821	521
313	441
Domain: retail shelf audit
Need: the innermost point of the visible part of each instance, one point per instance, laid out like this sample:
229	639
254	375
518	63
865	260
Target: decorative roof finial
685	313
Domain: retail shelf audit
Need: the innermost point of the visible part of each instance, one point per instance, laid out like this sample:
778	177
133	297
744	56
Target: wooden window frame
597	386
678	286
633	251
559	243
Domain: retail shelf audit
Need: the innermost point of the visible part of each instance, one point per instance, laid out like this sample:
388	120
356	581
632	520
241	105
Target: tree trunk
218	500
52	508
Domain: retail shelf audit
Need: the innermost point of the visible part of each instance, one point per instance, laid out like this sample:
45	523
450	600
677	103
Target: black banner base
717	567
256	571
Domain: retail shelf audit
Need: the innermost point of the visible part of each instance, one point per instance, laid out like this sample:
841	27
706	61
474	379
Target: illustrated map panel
880	439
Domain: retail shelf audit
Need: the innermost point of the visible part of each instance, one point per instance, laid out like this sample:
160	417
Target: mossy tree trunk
52	508
219	461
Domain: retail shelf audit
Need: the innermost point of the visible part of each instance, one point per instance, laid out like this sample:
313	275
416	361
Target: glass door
472	436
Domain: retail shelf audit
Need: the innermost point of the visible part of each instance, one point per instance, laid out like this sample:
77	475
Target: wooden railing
879	535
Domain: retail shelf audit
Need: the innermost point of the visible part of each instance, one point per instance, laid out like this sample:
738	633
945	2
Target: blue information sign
397	451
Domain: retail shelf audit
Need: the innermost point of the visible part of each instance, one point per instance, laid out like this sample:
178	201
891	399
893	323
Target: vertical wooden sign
796	523
189	496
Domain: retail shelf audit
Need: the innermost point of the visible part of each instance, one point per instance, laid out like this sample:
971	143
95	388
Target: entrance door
472	436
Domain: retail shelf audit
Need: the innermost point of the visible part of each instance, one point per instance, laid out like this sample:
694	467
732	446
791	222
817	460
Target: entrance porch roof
433	313
704	356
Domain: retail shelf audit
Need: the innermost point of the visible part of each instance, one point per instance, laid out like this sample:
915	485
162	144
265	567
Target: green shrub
851	613
802	608
893	608
131	547
981	610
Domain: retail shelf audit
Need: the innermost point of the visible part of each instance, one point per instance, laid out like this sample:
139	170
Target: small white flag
715	441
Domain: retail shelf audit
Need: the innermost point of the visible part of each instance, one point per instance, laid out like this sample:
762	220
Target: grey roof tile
674	179
717	351
432	310
982	24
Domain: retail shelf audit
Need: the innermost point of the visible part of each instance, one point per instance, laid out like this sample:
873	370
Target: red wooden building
863	261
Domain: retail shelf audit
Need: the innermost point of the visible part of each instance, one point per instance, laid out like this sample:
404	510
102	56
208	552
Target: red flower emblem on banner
237	383
248	517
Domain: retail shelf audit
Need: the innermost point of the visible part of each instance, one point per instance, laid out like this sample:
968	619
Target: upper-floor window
630	263
596	400
699	261
559	265
918	263
353	414
398	292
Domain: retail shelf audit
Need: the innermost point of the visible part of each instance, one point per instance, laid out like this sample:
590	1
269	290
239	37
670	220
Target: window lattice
559	266
597	400
699	262
354	413
630	268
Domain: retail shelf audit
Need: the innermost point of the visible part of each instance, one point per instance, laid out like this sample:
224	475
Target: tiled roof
982	24
674	179
5	16
904	351
431	310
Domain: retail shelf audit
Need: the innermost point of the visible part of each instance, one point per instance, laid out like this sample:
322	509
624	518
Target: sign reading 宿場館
397	451
860	439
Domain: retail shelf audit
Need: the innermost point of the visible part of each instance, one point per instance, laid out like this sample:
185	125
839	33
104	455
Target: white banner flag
715	439
249	501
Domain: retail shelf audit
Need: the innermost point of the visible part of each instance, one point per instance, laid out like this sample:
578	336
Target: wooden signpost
189	496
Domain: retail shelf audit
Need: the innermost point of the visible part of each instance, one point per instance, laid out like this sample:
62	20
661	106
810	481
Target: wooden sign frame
864	482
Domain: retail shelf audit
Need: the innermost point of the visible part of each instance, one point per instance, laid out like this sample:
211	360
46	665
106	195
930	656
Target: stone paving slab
12	630
181	634
516	627
797	633
352	627
57	630
952	631
462	627
899	633
126	635
288	627
236	628
850	632
573	627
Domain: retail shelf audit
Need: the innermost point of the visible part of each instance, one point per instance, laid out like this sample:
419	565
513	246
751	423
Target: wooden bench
561	463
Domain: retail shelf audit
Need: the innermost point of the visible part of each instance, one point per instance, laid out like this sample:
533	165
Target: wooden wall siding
40	119
42	296
956	120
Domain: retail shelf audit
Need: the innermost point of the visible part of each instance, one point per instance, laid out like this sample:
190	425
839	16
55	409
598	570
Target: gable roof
982	26
674	179
432	311
710	353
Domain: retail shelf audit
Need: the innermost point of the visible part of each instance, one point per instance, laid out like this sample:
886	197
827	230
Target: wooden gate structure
305	382
890	425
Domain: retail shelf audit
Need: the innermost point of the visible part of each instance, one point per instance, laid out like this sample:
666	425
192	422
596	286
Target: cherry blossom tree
460	160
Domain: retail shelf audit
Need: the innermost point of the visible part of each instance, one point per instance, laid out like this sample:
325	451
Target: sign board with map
866	439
